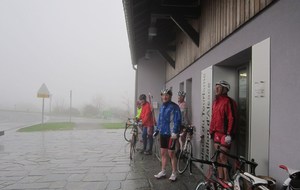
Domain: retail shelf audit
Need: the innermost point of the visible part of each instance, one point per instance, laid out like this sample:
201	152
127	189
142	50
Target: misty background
70	45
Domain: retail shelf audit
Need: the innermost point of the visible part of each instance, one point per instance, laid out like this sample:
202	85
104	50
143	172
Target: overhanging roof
152	25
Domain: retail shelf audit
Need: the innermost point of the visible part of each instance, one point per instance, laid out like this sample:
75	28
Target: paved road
78	159
11	120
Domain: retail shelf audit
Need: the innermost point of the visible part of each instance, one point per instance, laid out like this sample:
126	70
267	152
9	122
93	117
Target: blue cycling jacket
169	119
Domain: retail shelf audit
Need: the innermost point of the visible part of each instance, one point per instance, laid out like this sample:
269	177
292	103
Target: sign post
43	92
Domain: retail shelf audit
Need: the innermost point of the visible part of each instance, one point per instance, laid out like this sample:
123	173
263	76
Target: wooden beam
186	28
167	57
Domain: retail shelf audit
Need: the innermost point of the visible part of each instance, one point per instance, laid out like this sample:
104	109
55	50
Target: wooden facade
219	18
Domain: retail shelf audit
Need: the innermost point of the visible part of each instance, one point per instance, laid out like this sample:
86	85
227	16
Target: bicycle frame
240	173
212	177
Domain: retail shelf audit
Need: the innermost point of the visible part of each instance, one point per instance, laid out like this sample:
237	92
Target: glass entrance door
242	135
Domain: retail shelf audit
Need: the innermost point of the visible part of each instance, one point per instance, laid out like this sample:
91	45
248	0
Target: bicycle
186	152
293	181
242	178
134	135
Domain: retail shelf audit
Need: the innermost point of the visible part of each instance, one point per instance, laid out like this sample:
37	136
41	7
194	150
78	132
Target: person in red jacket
148	124
223	123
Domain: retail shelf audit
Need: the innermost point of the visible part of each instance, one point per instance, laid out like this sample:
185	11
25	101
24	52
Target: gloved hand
155	133
173	136
228	139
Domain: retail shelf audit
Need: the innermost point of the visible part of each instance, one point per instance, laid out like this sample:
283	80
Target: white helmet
224	84
166	91
181	93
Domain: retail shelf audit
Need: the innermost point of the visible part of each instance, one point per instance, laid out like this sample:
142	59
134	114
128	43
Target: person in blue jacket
168	125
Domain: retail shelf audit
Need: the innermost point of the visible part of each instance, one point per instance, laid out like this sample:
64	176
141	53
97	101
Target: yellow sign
43	92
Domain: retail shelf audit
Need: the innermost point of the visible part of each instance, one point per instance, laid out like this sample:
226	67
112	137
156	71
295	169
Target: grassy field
112	125
49	127
60	126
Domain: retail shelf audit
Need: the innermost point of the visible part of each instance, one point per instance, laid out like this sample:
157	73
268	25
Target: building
253	44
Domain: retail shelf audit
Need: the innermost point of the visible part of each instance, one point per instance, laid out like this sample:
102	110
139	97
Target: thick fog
70	45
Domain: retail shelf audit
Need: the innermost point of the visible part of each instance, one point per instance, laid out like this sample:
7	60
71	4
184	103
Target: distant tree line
96	109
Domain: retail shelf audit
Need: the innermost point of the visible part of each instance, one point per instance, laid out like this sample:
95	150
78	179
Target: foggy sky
78	45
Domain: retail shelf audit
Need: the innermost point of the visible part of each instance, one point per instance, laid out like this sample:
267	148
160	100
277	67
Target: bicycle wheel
156	148
184	158
132	146
205	186
127	132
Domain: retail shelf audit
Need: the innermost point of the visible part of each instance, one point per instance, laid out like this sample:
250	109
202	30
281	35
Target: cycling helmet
166	91
142	97
181	93
224	84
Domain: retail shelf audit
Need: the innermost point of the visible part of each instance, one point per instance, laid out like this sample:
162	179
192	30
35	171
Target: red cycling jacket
146	115
224	116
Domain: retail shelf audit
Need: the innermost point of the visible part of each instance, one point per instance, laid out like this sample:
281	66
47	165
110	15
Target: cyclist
223	123
168	125
148	125
185	121
138	109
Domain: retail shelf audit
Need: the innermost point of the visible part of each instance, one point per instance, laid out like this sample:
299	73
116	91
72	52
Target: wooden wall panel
219	18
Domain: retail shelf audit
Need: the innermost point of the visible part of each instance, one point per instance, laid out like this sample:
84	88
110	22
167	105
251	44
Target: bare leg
173	160
164	158
224	161
222	172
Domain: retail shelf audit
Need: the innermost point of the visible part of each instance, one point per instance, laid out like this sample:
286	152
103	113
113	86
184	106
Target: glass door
242	135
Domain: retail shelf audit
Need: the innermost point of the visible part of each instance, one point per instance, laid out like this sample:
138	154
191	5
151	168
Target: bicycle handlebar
133	122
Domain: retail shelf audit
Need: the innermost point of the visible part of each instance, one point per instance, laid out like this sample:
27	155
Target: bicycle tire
205	186
132	146
157	148
127	132
184	158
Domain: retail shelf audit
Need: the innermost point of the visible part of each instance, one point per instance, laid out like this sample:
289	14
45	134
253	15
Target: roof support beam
167	57
186	28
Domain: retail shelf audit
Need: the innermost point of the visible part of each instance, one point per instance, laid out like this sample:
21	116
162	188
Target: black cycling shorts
167	142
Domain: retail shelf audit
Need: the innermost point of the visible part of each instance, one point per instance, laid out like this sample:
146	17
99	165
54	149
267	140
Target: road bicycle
244	180
239	181
186	151
293	181
134	135
212	182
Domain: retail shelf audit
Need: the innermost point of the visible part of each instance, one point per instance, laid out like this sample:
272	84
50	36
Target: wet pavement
79	159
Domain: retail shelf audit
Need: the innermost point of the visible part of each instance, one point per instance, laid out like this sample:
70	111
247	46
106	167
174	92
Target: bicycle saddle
255	180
